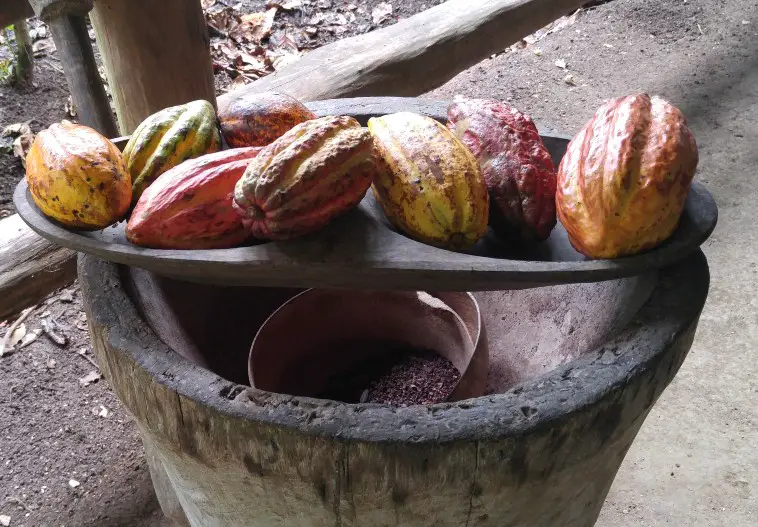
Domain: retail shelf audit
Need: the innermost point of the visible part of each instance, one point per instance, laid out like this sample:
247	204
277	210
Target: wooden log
415	55
156	54
542	455
30	266
12	11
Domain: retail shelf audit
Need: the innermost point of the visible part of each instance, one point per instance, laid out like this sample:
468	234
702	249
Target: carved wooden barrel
576	368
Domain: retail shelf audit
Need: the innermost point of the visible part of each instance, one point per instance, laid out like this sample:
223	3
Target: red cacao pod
516	165
258	119
300	182
625	176
190	206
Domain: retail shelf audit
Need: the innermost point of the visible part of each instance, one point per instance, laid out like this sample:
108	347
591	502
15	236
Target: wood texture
414	56
542	454
361	248
87	91
14	10
156	54
30	266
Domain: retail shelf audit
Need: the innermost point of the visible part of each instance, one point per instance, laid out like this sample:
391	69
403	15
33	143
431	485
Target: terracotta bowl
303	342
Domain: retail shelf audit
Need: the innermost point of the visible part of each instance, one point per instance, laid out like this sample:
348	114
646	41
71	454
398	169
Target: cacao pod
77	177
431	187
517	167
625	176
169	137
314	172
258	119
190	205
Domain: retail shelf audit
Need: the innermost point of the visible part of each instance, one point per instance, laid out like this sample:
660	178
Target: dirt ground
70	454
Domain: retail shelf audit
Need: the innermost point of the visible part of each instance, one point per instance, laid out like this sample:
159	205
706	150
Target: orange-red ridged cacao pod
316	171
625	177
258	119
190	206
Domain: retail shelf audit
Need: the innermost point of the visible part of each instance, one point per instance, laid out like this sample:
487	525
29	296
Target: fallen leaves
561	64
246	47
7	346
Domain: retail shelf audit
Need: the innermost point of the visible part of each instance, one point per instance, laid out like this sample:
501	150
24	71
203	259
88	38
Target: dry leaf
18	334
223	20
254	27
207	4
287	5
381	13
23	138
103	411
239	81
90	378
30	337
561	63
43	47
39	32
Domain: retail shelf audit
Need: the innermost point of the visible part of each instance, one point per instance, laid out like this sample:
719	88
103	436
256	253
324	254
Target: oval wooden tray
361	250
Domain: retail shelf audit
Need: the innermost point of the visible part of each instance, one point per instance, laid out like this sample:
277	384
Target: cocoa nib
400	377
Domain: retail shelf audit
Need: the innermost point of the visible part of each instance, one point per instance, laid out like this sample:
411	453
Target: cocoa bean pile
401	377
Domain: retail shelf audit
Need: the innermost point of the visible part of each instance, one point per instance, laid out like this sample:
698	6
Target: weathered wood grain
543	453
30	266
14	10
156	54
413	56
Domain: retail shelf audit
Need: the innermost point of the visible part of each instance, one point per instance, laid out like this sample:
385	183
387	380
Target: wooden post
156	54
66	21
13	10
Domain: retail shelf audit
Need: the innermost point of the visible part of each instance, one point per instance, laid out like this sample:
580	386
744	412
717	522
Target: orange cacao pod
625	176
190	206
300	182
258	119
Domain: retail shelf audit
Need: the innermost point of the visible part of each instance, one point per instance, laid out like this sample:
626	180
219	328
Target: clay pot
319	333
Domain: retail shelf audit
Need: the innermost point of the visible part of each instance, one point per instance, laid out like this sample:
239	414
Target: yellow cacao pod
169	137
432	187
77	177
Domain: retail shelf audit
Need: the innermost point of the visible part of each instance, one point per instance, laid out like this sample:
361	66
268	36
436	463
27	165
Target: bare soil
701	54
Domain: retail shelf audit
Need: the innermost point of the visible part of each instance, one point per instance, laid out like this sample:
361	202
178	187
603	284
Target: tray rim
463	271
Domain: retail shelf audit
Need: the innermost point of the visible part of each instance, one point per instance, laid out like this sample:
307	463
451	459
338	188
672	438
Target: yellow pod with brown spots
77	177
432	187
169	137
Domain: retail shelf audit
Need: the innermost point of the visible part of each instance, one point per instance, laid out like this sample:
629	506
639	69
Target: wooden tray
361	250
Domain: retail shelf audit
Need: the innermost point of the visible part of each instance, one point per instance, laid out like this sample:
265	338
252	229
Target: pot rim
648	352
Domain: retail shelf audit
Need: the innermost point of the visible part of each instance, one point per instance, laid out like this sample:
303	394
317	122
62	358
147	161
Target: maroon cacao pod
517	167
